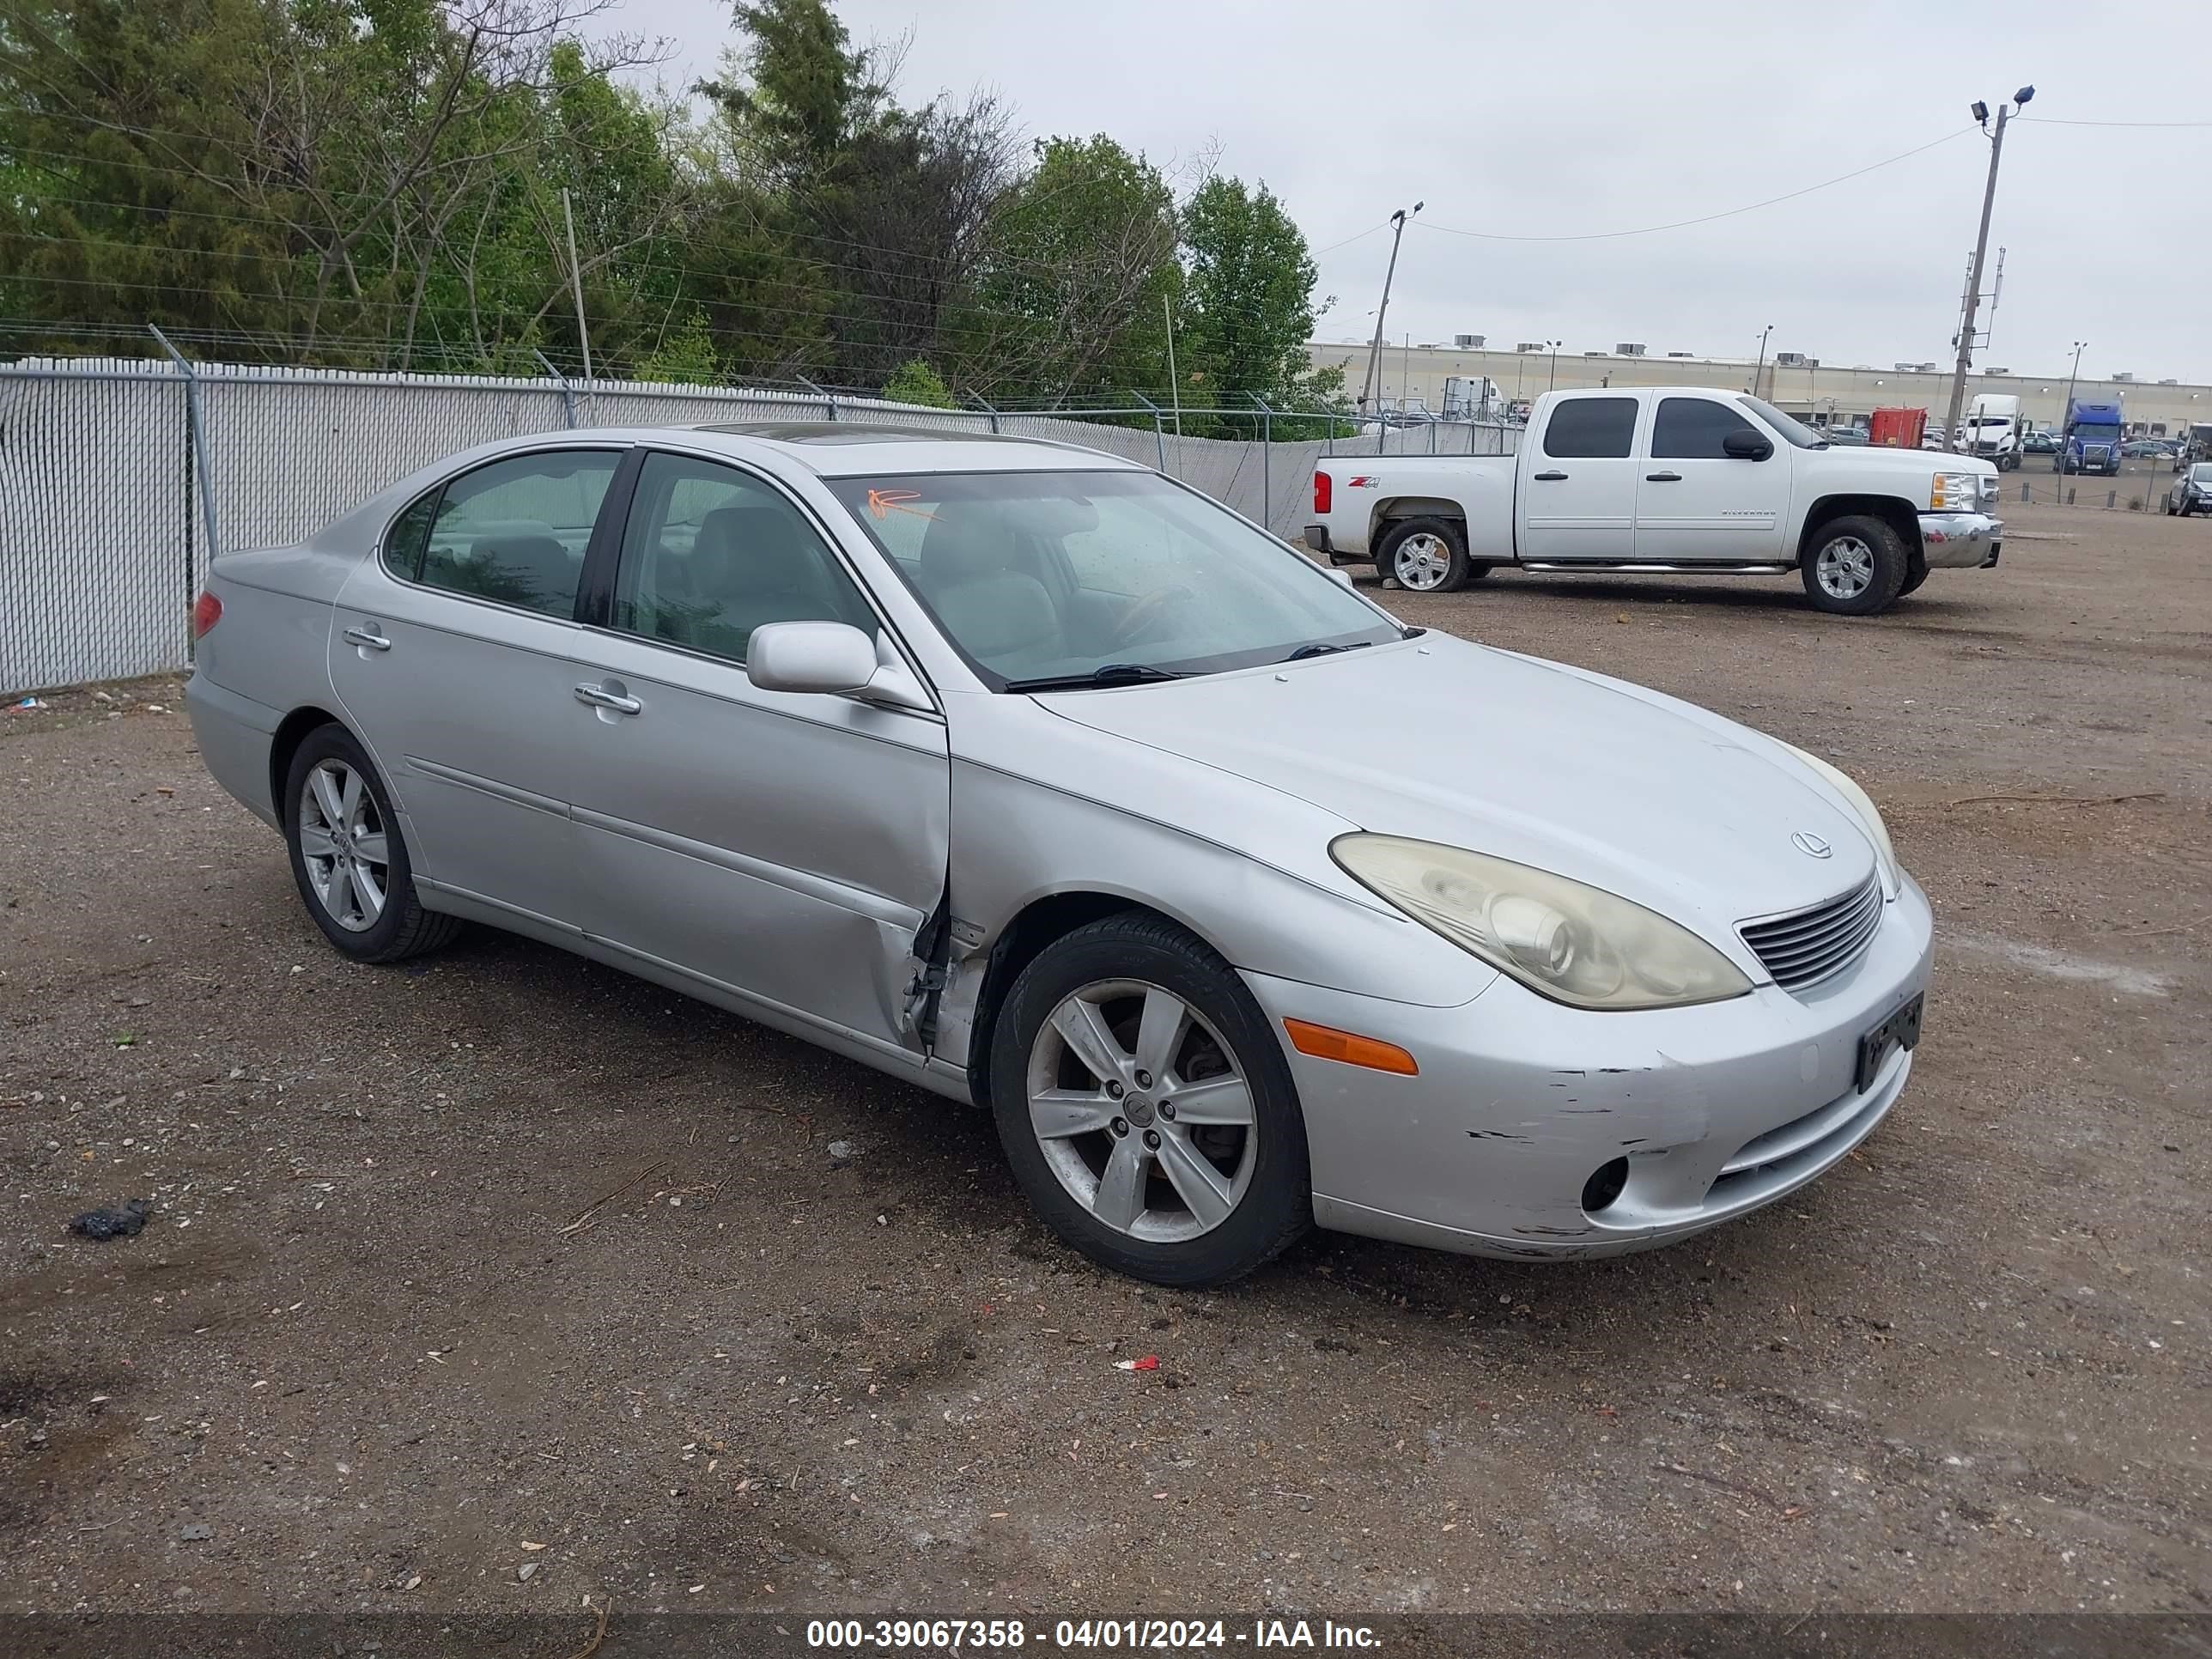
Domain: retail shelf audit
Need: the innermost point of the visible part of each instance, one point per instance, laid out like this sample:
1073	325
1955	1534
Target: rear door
1697	503
451	652
1578	496
788	848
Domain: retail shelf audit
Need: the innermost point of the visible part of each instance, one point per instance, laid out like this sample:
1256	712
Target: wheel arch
1388	511
1032	930
291	731
1897	513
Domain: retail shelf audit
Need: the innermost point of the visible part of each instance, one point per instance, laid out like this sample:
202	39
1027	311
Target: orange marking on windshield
882	502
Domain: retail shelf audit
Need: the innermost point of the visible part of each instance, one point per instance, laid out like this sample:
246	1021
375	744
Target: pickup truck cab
1664	479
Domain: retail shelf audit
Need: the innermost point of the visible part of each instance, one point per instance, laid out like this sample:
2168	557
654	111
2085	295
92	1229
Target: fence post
989	411
1160	432
1267	470
568	391
828	398
195	420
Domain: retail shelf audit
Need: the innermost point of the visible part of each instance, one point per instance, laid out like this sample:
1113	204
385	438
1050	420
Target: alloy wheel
1845	568
1142	1111
1421	562
343	844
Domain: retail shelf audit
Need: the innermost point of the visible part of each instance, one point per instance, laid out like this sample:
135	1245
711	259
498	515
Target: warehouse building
1820	391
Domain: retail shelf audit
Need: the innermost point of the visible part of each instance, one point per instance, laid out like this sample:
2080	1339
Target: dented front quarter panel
1043	805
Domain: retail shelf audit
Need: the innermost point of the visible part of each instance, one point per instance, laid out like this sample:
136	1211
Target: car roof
839	449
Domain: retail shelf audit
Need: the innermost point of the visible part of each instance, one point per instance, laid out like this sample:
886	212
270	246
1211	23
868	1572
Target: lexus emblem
1809	844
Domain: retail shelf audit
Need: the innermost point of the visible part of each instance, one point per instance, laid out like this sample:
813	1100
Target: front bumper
1718	1109
1960	541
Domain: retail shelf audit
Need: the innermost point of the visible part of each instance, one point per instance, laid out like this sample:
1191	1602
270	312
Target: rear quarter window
403	543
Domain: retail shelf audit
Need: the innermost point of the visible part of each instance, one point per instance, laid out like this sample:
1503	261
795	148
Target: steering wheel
1148	612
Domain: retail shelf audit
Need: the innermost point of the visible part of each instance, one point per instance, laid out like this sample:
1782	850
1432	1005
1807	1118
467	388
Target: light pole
1761	369
1552	384
1374	352
2066	413
1981	113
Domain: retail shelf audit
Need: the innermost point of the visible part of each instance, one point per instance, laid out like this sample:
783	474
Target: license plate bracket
1900	1030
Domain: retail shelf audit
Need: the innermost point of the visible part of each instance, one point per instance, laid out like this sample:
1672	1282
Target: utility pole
1761	369
1981	112
1374	352
1175	385
2067	410
576	281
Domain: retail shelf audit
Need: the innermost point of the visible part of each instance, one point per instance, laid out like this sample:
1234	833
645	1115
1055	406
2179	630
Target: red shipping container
1897	428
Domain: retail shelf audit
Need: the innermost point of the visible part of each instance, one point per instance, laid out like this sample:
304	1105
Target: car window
711	553
1052	576
1592	428
1692	428
405	543
515	532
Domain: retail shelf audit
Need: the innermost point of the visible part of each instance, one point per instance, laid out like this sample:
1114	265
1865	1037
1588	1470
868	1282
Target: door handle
1550	478
600	697
1662	477
367	639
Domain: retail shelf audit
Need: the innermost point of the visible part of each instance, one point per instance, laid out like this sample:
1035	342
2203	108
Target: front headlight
1861	803
1953	492
1573	944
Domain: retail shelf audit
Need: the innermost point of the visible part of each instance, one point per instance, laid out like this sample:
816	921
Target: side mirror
833	660
1745	446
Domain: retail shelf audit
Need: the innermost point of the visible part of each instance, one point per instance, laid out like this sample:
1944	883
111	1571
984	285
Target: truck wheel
1426	555
1855	566
1915	572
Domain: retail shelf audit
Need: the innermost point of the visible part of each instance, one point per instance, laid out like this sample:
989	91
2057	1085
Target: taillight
1322	488
207	612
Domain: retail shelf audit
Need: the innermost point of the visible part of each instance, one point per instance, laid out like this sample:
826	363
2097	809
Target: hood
1915	464
1675	808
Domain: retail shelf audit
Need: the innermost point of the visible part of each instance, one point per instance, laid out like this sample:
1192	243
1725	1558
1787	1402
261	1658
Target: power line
2057	121
1708	218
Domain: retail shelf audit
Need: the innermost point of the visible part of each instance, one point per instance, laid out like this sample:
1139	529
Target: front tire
1146	1108
1855	565
1424	556
348	857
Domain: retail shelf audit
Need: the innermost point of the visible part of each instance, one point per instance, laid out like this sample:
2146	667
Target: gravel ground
500	1280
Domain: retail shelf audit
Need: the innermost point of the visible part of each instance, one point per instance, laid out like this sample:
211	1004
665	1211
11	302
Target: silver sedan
1048	784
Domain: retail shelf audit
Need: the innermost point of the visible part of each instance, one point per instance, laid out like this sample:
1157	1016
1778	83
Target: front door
450	652
1578	489
787	847
1697	503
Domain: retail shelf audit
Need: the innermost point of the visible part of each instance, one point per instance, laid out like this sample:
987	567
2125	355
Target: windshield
2201	473
1061	575
1788	427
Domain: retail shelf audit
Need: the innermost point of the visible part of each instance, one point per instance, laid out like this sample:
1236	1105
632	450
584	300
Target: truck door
1579	484
1695	502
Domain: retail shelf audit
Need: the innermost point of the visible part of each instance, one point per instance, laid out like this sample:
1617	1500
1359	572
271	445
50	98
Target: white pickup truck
1675	479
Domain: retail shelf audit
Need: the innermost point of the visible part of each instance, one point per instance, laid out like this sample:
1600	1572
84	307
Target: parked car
2141	449
1030	777
2191	490
1664	479
1851	436
2039	443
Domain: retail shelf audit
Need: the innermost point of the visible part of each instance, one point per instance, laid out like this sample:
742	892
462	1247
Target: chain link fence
116	475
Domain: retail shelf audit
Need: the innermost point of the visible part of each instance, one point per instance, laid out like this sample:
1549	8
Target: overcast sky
1564	119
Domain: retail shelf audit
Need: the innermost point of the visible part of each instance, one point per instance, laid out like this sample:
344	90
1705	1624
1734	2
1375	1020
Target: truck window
1590	429
1692	428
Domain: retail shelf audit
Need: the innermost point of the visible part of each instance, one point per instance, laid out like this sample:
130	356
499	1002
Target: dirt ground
500	1280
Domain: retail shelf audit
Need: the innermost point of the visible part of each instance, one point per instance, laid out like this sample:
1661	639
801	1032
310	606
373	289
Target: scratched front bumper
1719	1109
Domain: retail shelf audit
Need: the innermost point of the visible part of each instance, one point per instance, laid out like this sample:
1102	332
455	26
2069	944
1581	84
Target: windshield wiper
1325	649
1112	673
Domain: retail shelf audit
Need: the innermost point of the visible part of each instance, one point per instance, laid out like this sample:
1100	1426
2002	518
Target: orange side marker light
1326	1042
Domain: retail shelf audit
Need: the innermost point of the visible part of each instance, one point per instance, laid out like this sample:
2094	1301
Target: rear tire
348	858
1855	566
1186	1198
1424	556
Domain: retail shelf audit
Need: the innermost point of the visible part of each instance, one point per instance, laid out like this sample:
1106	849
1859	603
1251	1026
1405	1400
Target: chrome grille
1808	946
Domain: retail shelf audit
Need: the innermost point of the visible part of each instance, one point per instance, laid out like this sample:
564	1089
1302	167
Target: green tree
1072	299
915	382
686	356
1249	311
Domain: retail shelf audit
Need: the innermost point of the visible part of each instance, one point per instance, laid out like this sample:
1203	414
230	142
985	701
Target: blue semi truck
2091	441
